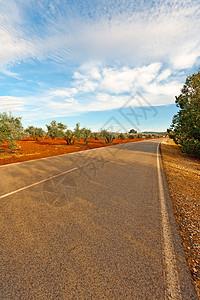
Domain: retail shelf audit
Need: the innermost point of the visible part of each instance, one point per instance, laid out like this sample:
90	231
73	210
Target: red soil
29	149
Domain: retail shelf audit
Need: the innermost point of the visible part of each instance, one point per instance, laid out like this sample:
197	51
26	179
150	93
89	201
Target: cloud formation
100	88
113	49
132	31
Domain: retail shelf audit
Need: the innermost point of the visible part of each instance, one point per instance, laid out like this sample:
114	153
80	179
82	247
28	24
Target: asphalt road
96	224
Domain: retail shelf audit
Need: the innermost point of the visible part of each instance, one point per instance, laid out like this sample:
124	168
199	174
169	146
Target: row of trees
11	130
185	128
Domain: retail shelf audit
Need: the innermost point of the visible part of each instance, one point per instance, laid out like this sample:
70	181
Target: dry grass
183	176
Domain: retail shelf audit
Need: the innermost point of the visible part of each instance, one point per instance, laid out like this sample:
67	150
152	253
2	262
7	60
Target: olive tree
133	131
69	137
107	136
11	129
56	130
86	134
35	132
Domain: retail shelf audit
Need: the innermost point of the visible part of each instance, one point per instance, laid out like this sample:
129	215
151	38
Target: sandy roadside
183	177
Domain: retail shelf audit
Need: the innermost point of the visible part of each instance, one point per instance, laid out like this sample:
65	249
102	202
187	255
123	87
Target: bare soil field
30	149
183	176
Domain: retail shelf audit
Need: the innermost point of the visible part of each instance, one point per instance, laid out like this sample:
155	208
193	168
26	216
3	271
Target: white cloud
130	32
112	90
118	48
63	92
9	73
9	103
163	31
118	81
168	89
15	46
164	75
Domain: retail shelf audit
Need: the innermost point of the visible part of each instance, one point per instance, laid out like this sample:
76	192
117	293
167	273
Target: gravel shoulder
183	177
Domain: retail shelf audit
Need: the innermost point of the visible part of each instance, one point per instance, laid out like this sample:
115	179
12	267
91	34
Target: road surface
96	224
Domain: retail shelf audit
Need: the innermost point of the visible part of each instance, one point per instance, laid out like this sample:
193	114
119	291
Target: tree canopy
11	129
186	123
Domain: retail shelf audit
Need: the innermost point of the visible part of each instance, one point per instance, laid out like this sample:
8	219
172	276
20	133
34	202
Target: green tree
133	131
77	132
95	135
11	129
69	137
122	135
186	123
86	134
35	132
132	135
107	136
56	130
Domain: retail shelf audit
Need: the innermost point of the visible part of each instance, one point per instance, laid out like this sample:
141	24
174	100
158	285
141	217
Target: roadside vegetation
11	131
185	128
21	144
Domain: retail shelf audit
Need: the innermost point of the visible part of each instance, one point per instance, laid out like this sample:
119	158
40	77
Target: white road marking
36	183
173	285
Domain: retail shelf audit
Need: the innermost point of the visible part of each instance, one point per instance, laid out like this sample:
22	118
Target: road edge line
173	285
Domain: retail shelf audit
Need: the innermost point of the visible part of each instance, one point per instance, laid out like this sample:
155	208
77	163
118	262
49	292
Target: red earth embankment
30	149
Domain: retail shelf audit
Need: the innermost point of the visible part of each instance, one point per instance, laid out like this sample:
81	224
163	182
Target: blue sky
96	62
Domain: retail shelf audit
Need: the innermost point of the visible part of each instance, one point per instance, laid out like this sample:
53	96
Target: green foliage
12	145
122	136
107	136
95	135
132	135
56	130
30	130
77	132
10	129
171	134
39	132
133	131
86	134
186	123
35	132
